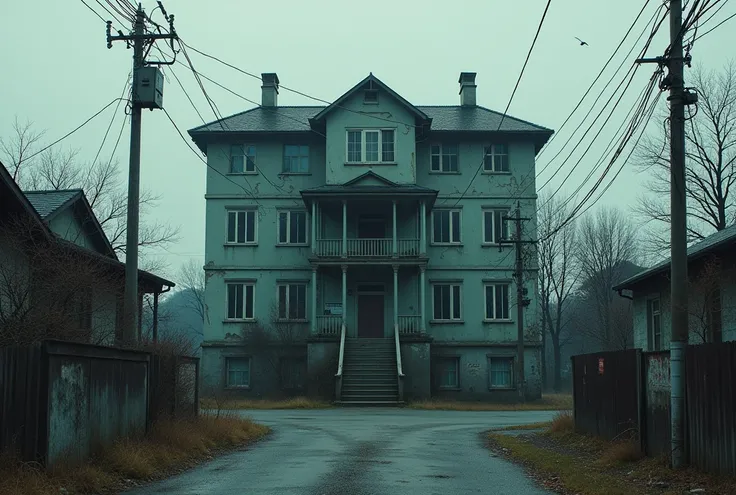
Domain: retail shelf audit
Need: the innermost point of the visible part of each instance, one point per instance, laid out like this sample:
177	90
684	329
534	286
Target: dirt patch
551	402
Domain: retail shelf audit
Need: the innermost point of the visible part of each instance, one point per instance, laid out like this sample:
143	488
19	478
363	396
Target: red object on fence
600	366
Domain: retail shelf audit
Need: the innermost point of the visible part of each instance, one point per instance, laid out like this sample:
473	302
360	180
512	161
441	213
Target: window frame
493	154
247	158
287	305
235	211
363	146
512	371
441	158
652	333
300	156
495	285
289	213
441	372
244	283
451	284
494	238
451	242
227	372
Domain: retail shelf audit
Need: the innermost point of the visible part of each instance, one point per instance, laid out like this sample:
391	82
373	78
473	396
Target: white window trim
456	386
485	303
650	323
228	242
287	283
288	229
493	154
363	145
227	372
245	161
442	146
452	305
513	373
483	224
227	302
451	242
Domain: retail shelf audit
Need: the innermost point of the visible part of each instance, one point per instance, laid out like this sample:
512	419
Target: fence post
196	387
641	398
574	375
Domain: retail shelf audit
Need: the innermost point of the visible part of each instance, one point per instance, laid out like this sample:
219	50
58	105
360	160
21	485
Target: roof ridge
49	191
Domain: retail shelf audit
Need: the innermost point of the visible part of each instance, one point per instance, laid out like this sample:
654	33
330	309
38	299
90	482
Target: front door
370	315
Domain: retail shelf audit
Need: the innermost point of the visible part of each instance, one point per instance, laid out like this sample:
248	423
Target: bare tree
102	182
710	134
606	249
192	280
558	274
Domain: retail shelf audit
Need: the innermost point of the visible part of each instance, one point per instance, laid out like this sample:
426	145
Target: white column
344	229
314	300
423	229
344	293
395	242
314	227
422	299
396	295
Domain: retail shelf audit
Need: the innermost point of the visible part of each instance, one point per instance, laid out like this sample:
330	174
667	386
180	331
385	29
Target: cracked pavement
363	451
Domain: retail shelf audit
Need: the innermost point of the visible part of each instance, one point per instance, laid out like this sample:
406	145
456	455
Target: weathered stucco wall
416	365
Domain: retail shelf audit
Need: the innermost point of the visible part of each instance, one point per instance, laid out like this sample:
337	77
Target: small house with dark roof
64	221
353	249
711	295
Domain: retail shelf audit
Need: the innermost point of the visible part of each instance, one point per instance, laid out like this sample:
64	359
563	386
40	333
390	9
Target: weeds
563	422
235	404
553	402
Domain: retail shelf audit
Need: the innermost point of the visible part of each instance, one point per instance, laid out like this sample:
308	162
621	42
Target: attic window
371	97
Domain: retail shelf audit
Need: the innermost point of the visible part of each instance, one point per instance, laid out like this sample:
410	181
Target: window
371	146
238	372
241	227
446	226
293	301
713	314
81	309
448	372
242	159
501	372
292	227
370	97
495	226
496	158
497	301
240	301
296	159
654	324
443	158
446	302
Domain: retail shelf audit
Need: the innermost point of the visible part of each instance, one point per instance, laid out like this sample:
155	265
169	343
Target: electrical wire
74	130
112	120
122	12
716	26
112	16
513	93
94	11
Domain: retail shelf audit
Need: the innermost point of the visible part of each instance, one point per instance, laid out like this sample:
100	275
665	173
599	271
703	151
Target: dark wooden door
370	315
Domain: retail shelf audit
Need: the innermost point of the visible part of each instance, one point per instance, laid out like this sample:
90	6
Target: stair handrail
338	375
399	369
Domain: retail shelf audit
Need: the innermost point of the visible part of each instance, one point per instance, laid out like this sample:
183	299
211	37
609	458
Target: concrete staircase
369	373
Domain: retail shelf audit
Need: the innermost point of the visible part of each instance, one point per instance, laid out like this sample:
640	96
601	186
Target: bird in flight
582	43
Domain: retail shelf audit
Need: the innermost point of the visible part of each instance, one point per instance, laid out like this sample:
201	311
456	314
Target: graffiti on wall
473	369
658	373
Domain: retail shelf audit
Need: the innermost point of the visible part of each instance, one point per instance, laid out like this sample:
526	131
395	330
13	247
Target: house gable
370	178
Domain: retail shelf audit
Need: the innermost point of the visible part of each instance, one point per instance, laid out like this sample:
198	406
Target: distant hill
177	316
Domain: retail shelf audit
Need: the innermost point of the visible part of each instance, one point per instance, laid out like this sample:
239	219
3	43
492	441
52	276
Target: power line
716	26
125	15
94	11
75	129
516	86
104	138
112	16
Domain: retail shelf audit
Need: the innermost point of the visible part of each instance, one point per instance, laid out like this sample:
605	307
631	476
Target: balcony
410	324
328	325
371	248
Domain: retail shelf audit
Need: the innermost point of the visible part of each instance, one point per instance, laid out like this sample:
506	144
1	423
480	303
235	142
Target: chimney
270	89
467	89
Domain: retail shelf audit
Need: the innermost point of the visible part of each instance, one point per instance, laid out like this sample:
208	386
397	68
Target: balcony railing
410	324
329	325
367	248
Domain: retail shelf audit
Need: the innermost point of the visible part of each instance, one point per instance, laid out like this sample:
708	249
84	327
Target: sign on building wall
333	309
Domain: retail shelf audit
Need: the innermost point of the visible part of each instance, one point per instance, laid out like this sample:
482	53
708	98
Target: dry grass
563	422
620	453
170	446
295	403
552	402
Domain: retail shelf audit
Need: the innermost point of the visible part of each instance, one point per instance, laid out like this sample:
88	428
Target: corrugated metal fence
611	388
63	400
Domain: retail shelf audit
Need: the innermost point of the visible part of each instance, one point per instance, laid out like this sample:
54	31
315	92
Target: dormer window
370	97
371	146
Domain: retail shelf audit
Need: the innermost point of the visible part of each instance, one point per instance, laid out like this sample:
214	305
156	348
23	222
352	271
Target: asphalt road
363	452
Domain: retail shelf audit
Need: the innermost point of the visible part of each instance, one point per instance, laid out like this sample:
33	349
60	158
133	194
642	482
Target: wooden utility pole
139	39
521	300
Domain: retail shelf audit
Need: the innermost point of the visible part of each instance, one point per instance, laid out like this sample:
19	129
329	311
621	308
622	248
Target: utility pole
679	97
147	93
521	300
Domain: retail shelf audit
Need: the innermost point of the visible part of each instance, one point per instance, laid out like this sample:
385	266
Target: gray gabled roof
47	203
697	250
296	119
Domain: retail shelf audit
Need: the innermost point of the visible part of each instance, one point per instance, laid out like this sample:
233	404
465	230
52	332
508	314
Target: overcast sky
57	71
